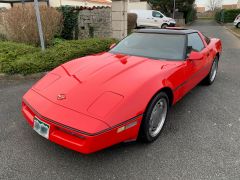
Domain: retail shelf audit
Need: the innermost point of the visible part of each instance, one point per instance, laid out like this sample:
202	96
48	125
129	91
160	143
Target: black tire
136	26
164	26
144	134
238	25
208	80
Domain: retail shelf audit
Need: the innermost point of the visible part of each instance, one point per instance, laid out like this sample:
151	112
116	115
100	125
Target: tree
185	6
166	6
214	4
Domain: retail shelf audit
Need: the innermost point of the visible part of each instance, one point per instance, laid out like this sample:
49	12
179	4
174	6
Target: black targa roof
167	31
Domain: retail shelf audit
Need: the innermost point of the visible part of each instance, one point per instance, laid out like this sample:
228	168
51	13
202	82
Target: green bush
227	16
230	15
70	17
22	59
218	16
10	51
191	15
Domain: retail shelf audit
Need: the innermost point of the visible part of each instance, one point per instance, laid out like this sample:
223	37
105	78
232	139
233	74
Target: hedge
191	15
22	59
227	16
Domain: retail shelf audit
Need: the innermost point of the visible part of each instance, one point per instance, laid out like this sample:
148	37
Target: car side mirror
112	45
195	56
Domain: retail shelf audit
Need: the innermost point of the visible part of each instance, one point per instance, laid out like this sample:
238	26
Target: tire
159	102
238	25
136	26
212	74
164	26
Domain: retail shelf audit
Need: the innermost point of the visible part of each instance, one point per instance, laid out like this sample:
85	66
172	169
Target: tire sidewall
144	129
164	26
209	77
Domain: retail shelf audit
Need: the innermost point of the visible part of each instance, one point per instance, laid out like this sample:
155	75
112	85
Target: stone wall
94	23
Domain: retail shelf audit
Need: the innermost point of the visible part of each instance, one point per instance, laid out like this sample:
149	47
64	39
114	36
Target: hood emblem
61	97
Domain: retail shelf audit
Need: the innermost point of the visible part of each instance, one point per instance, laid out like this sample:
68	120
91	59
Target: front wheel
213	73
164	26
238	25
154	118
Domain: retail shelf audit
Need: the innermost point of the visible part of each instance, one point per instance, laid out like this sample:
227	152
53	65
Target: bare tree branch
214	4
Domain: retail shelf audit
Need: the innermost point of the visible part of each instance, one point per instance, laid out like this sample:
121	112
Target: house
229	6
200	9
138	4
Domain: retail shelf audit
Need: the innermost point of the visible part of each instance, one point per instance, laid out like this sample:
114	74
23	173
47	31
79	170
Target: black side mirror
189	50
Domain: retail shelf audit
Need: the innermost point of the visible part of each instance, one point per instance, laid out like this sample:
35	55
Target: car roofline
176	31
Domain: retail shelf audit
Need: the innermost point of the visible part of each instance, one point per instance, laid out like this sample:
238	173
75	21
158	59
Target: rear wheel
213	73
154	118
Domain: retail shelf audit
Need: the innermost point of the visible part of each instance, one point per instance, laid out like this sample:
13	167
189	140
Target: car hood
96	85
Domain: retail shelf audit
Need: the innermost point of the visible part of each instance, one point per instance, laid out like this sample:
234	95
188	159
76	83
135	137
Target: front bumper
86	144
235	23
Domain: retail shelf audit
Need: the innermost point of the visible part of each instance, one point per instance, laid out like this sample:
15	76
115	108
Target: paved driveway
201	141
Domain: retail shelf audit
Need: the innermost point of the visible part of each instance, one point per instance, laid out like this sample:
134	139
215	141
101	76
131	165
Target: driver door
196	70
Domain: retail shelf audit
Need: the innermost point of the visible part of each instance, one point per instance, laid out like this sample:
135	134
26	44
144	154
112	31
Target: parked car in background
151	18
237	21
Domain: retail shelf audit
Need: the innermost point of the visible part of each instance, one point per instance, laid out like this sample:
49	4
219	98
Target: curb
234	33
22	77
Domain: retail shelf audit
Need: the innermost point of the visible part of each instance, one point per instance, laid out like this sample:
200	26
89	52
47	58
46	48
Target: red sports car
122	95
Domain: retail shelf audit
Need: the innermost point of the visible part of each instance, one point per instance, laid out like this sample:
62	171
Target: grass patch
16	58
205	18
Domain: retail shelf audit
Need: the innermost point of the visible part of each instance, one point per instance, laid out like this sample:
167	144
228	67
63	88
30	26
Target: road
201	139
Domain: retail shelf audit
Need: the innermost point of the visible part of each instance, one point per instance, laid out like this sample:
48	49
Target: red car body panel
98	95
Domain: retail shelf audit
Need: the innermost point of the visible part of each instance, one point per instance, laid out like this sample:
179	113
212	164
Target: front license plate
41	128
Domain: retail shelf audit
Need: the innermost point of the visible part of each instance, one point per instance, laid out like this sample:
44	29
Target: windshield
155	46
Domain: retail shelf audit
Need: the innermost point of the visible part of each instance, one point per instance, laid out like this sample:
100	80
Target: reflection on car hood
84	80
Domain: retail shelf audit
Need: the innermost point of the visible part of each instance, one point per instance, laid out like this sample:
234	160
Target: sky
204	2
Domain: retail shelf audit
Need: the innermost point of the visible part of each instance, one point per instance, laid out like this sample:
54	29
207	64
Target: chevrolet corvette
122	95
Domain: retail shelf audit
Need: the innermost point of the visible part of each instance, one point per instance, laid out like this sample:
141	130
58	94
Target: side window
195	41
207	40
157	14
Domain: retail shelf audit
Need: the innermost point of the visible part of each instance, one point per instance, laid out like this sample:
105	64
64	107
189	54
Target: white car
237	21
151	18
